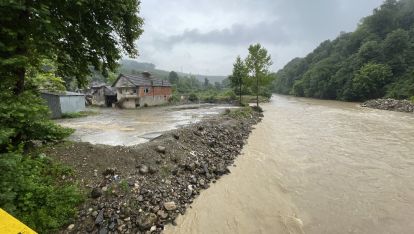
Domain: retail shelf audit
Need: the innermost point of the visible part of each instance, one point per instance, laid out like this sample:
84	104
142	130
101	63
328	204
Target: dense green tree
258	62
74	34
239	77
173	77
370	80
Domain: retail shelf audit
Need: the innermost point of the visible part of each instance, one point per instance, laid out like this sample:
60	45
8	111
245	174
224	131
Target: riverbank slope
144	187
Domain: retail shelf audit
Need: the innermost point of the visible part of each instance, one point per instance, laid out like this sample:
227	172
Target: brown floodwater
314	166
135	126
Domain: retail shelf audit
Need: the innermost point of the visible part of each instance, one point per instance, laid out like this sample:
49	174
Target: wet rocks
160	149
143	169
170	206
146	221
390	104
96	192
100	217
71	227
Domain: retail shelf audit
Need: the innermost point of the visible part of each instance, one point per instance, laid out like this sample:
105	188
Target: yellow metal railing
10	225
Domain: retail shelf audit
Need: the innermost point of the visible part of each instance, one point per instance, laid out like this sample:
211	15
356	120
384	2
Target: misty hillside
375	60
128	66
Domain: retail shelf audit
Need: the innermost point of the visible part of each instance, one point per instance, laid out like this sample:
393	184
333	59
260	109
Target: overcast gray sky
204	37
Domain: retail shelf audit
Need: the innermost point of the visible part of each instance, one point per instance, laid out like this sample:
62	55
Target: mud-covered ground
139	189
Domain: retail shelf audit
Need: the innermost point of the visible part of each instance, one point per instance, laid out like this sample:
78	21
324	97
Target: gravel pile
390	104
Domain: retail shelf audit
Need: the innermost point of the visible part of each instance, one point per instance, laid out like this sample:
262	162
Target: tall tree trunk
20	75
21	49
257	90
240	89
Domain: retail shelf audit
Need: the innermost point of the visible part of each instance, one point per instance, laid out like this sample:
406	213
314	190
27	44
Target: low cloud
237	34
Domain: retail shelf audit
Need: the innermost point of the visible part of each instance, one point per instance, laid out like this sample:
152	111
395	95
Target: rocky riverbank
390	104
140	189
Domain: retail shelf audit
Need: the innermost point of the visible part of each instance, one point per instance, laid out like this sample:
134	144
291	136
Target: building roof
63	93
144	79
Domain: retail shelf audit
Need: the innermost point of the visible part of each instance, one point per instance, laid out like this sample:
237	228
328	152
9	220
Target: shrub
257	109
24	118
193	97
31	189
174	98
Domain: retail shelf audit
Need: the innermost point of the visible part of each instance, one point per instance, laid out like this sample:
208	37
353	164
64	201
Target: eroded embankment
144	187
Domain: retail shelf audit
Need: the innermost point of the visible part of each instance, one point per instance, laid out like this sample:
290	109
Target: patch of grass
252	99
79	114
123	184
243	112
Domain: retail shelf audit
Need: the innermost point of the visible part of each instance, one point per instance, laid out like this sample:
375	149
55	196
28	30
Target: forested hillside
375	60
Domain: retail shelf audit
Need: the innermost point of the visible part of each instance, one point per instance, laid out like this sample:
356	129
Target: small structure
103	95
63	102
141	90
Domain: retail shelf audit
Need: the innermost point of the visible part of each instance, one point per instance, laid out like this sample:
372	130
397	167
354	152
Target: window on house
146	90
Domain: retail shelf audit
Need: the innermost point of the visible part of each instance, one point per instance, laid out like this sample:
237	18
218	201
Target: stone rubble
390	104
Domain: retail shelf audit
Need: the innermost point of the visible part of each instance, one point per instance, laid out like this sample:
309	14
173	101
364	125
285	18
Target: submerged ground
134	126
315	166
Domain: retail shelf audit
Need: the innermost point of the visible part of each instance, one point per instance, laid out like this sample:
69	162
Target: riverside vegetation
374	61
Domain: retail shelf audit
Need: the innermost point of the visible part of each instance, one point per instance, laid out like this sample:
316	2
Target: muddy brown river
315	166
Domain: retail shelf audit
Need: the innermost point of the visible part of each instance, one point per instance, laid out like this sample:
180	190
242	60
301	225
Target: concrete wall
153	100
129	103
70	104
98	98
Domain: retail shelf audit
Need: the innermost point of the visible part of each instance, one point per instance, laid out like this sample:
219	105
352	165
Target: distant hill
129	66
375	60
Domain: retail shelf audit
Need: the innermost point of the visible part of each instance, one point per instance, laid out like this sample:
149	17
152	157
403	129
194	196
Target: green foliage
175	98
258	62
123	184
173	77
79	114
239	77
216	96
343	69
45	78
193	97
32	190
369	82
24	118
74	34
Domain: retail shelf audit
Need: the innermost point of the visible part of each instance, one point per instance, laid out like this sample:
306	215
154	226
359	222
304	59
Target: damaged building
134	91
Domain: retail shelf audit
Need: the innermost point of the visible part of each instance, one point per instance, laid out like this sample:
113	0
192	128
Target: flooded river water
130	127
314	166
